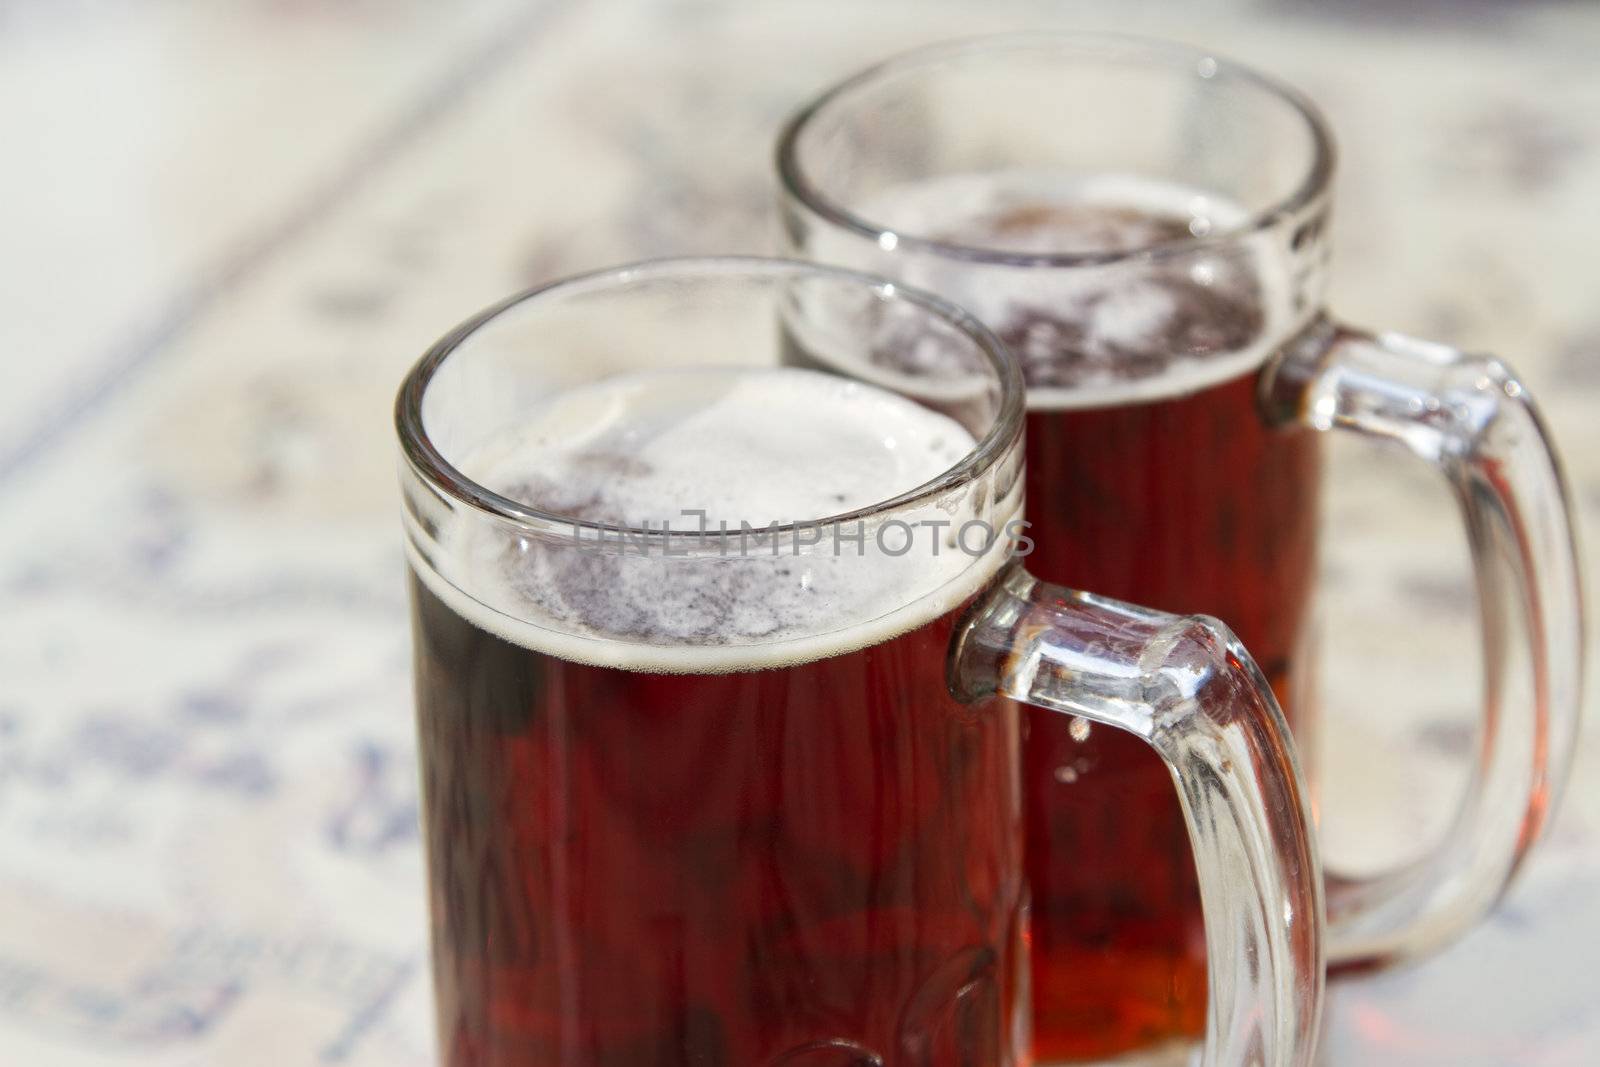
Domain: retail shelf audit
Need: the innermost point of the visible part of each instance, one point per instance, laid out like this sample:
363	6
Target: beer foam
1143	328
752	446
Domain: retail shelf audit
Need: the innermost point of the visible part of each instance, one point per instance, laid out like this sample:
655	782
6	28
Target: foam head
737	450
1153	319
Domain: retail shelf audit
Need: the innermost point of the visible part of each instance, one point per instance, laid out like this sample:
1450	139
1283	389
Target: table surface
229	227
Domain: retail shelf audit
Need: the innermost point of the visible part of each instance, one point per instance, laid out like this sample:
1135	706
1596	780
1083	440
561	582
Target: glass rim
429	463
1207	64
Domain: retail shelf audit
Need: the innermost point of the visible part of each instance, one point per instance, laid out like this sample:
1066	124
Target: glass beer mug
1145	225
718	666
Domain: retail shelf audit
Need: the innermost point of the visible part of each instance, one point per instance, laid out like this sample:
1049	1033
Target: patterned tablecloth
228	227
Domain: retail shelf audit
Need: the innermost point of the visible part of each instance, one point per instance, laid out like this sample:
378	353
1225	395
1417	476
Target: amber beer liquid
1115	902
648	845
1152	478
1182	498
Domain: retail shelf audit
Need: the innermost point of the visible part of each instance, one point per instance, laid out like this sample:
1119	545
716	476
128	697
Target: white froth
754	445
761	446
1032	212
1124	315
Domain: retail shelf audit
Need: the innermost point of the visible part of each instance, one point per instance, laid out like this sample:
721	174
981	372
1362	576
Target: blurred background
230	226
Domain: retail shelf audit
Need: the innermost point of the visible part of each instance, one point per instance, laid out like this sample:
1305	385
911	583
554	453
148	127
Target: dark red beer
638	869
1145	486
1153	478
1191	505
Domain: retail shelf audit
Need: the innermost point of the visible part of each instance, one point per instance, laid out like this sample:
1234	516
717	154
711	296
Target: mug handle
1471	419
1190	690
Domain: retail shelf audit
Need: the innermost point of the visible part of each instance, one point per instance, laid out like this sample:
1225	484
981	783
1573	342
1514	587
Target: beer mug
1145	225
718	666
